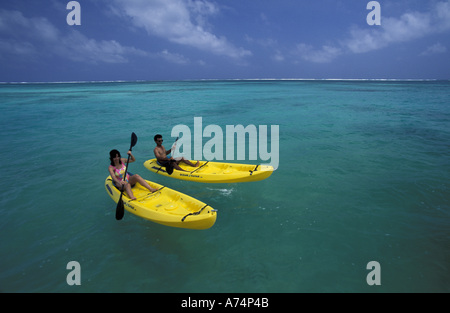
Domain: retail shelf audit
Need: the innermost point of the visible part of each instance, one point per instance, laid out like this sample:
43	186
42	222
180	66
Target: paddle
174	146
120	209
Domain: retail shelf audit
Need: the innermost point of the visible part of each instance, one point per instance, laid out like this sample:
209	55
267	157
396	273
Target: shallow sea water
363	176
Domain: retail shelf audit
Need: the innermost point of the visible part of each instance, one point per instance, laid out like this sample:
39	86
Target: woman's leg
129	191
138	179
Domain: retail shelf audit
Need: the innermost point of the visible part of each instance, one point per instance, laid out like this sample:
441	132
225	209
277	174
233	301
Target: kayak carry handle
256	168
196	213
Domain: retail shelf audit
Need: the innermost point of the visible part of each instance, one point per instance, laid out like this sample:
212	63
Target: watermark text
374	276
74	276
74	16
235	141
374	16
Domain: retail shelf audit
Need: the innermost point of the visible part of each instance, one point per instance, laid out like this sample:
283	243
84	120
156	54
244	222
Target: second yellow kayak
214	172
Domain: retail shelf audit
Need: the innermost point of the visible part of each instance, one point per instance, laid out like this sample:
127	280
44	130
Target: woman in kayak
117	169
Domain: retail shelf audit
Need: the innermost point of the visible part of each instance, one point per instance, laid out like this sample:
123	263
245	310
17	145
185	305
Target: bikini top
119	172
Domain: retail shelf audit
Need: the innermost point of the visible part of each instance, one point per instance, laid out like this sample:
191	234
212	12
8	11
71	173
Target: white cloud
434	49
36	36
15	25
324	55
179	21
16	48
264	42
78	47
278	56
173	57
442	13
408	27
200	10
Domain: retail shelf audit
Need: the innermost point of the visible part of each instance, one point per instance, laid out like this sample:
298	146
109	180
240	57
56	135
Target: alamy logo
374	277
374	17
74	16
213	149
74	276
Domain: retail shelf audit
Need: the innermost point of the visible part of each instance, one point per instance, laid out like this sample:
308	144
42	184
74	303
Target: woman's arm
132	158
113	175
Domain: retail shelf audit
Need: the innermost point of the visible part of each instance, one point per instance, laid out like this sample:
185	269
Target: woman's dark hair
112	155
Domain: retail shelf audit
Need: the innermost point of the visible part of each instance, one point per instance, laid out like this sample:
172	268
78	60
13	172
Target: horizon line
225	79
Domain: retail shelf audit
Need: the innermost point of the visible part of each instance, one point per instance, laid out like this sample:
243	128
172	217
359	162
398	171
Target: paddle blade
133	140
120	210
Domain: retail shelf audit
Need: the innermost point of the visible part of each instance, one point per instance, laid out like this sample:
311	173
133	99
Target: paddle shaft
120	210
125	175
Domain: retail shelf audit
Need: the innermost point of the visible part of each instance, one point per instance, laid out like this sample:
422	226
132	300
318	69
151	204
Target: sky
223	39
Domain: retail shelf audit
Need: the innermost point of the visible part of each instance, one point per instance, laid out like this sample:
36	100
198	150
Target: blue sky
223	39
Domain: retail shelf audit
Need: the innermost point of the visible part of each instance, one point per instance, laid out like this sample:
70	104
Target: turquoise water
363	176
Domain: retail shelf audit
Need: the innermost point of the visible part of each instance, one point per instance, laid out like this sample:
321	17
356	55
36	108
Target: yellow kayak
214	172
165	206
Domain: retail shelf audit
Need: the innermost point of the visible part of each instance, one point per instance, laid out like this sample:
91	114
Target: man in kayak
169	163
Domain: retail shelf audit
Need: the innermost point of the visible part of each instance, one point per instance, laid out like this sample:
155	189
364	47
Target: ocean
363	177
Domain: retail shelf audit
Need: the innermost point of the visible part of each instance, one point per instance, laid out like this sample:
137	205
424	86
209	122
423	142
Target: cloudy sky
223	39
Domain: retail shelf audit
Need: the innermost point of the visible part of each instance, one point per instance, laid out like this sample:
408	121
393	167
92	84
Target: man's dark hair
157	137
